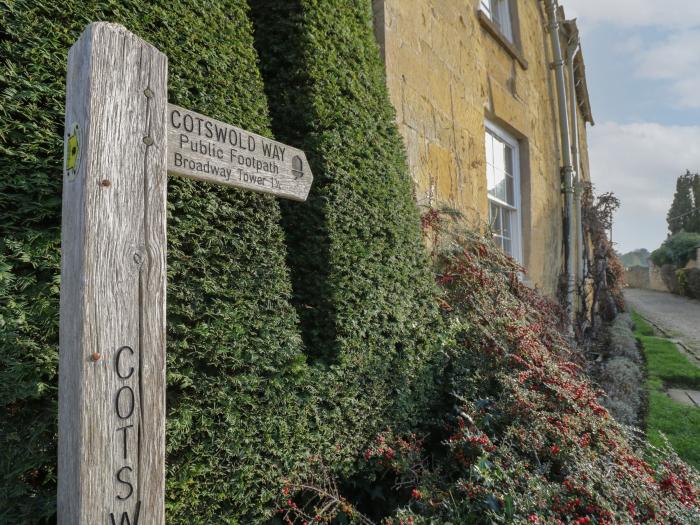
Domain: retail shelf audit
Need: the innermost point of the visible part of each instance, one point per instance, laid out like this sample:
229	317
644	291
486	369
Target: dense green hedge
677	249
234	361
362	286
689	282
245	410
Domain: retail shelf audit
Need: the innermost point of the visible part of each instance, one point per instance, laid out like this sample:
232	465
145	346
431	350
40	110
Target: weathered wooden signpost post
122	139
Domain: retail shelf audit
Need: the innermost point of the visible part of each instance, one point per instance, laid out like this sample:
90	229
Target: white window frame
502	135
500	13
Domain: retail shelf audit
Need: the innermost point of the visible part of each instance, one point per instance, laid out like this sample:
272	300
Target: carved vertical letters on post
112	331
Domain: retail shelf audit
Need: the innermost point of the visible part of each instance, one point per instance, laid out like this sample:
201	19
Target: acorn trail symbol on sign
122	138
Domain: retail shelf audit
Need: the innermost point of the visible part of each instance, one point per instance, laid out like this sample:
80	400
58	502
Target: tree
680	214
638	257
694	222
677	250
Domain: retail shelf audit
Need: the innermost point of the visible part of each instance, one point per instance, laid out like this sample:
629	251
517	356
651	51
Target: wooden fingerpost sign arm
113	283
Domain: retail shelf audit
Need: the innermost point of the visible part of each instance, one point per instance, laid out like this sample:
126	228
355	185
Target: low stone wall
656	281
648	278
637	277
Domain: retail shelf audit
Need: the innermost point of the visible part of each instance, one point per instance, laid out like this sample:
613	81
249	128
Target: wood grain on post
113	283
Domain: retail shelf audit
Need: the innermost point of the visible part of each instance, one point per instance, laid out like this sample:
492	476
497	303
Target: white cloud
659	39
675	56
640	163
631	44
635	13
674	59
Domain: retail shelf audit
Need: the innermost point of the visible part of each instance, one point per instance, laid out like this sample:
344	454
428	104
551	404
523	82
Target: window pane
495	218
486	6
507	246
510	197
502	173
496	177
489	160
501	15
508	159
490	178
499	155
498	189
506	222
495	13
489	148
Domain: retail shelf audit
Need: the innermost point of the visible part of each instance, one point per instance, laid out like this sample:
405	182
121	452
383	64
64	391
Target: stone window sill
506	44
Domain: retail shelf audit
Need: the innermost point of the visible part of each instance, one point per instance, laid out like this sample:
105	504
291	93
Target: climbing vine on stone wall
605	273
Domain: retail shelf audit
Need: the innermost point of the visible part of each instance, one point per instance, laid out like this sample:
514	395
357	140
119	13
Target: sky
643	70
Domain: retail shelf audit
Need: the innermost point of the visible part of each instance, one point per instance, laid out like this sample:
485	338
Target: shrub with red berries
520	436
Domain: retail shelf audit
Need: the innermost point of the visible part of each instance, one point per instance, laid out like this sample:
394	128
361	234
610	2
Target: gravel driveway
679	316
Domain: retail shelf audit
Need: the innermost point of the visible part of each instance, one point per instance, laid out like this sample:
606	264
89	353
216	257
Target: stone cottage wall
446	74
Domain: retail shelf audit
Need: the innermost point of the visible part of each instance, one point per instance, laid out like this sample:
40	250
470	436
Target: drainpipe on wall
568	171
572	49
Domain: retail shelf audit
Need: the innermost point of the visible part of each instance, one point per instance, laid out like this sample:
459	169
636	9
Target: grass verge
667	367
